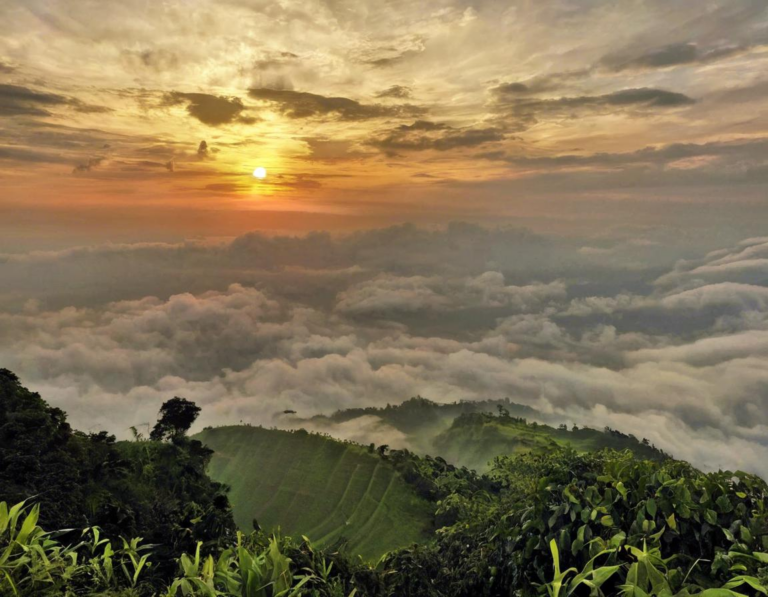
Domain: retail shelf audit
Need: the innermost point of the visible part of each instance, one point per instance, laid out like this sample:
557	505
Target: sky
563	203
128	119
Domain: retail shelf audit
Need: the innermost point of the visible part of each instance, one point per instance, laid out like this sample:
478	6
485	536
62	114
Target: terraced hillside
475	439
315	486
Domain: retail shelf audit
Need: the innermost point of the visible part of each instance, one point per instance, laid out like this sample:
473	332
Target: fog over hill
653	334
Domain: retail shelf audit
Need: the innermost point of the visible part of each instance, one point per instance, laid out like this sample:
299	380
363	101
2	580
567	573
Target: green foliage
155	490
305	484
600	510
176	417
34	564
475	439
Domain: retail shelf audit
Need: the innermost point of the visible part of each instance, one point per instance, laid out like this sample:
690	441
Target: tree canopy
176	417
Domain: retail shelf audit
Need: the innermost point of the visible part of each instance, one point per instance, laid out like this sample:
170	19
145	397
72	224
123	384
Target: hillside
421	420
311	485
474	440
467	434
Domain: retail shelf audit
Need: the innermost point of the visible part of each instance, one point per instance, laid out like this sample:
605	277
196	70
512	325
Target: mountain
468	434
336	491
474	440
307	484
419	419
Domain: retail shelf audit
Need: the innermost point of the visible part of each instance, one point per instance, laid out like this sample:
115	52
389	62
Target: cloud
6	68
672	55
540	83
644	97
300	104
21	154
88	166
251	327
390	294
22	101
424	135
522	112
213	110
396	91
733	151
160	60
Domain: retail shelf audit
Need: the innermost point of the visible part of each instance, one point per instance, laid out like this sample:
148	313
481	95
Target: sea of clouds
638	334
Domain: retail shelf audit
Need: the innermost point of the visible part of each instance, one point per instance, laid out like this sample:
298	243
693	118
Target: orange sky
145	120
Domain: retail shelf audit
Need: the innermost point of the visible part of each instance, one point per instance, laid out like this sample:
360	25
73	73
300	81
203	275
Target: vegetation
33	563
156	490
475	439
547	520
422	420
632	527
306	484
176	417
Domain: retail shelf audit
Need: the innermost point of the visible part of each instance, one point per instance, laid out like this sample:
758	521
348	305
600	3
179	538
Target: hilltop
475	439
306	484
469	434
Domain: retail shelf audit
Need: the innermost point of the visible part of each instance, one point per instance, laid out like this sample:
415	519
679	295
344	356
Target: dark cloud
88	166
526	111
22	101
425	135
744	151
391	54
300	104
556	81
672	55
396	91
16	100
213	110
202	149
22	154
273	60
156	59
6	68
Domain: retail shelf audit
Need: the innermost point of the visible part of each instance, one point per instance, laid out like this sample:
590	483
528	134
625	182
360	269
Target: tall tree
176	417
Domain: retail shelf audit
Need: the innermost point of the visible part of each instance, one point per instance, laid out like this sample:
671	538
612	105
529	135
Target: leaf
607	520
720	593
672	522
724	504
650	506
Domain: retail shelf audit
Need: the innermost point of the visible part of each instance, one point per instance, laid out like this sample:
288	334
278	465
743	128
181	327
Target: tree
176	417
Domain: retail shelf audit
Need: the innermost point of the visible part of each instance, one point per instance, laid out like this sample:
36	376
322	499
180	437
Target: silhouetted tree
176	417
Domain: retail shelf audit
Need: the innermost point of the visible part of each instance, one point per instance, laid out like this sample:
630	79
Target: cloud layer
251	327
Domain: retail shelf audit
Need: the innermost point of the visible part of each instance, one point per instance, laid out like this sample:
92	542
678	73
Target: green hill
312	485
421	420
475	439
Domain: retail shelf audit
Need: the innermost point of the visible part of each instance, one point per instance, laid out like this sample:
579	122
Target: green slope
421	420
315	486
475	439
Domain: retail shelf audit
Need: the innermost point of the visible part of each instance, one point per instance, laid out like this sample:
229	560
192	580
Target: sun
260	172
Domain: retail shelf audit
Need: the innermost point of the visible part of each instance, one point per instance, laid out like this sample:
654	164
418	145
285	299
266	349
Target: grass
311	485
477	440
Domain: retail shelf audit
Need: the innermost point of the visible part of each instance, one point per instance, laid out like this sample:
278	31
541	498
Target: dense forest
557	513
